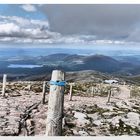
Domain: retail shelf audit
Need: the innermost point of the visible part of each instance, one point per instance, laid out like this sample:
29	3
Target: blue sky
17	10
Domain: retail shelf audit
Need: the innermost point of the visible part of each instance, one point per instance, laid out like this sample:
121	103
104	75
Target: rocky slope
23	114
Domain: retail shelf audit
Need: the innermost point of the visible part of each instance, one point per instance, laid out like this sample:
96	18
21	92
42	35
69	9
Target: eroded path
124	92
13	109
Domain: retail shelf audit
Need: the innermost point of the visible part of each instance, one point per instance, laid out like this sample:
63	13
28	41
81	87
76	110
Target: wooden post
29	87
92	90
109	95
4	85
43	92
55	105
70	93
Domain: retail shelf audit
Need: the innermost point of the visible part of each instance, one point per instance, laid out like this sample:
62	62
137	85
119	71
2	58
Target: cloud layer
107	22
18	29
90	24
23	30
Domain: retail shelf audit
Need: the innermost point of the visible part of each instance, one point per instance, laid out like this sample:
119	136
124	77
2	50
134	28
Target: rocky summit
88	113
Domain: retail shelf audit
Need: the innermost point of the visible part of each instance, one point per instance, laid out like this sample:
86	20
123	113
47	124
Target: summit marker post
55	104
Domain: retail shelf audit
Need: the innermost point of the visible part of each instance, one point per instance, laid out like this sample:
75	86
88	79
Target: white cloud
21	30
8	29
23	22
12	26
29	8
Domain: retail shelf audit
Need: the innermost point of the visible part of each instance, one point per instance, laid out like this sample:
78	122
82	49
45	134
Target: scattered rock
115	120
28	88
80	115
83	133
122	104
133	119
75	132
94	116
81	119
108	115
97	122
34	111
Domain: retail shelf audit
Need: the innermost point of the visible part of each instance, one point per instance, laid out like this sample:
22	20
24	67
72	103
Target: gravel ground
22	114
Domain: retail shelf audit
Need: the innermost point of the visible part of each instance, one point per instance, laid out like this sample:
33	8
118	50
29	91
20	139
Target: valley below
40	67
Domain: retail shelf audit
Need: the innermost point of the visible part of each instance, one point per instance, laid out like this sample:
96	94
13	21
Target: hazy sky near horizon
82	24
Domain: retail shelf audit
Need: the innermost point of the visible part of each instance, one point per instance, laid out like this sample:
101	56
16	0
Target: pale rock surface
133	119
97	122
83	133
81	119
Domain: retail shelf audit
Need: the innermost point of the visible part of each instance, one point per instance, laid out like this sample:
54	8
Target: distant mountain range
71	62
93	62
